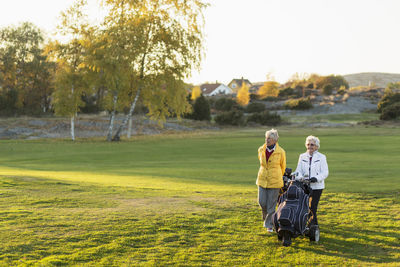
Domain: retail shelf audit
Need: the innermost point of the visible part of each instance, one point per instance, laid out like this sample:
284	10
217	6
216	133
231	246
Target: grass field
191	200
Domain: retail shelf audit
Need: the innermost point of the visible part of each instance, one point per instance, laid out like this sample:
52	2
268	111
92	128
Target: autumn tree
196	92
164	41
25	72
243	95
269	88
71	73
108	57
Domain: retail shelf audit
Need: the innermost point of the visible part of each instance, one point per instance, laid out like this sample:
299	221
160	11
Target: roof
208	88
239	81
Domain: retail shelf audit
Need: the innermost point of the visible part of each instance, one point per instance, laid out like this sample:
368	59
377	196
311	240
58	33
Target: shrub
253	97
201	109
255	107
390	112
387	100
286	92
265	118
225	104
336	81
270	98
342	90
328	88
233	117
298	104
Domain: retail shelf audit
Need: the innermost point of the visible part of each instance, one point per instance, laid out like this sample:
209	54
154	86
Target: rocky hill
378	79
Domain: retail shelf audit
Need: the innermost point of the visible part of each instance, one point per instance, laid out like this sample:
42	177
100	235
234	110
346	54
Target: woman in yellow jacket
269	180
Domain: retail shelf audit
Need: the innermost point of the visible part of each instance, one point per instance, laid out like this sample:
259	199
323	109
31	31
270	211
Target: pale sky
251	38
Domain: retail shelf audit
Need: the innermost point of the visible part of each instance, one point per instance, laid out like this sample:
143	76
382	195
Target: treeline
140	53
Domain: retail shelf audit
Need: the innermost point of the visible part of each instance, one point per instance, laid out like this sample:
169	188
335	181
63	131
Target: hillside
367	78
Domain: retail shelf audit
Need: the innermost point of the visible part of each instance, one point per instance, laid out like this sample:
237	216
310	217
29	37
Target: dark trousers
315	196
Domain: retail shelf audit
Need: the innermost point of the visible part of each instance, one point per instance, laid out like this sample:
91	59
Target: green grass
191	200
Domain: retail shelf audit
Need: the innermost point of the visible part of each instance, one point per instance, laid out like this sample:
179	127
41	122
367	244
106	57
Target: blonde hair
273	134
313	139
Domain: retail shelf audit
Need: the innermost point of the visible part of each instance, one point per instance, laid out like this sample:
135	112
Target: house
235	84
212	89
255	87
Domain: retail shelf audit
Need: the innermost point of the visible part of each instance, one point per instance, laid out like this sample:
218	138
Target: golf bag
292	217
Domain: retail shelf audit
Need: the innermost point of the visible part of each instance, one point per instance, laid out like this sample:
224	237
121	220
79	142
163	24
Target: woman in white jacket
313	165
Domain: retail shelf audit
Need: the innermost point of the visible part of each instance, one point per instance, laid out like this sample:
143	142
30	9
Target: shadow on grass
352	243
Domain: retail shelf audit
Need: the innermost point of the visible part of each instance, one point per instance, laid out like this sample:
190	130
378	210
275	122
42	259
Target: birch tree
71	69
164	38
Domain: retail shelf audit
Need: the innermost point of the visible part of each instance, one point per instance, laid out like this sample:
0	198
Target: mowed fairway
191	200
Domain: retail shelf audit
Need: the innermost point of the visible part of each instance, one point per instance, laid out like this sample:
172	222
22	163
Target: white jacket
318	168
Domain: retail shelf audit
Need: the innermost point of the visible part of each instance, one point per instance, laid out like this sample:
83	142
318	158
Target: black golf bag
293	216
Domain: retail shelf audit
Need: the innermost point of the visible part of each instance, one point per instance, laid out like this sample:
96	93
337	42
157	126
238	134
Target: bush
270	98
201	109
388	100
225	104
298	104
255	107
286	92
233	117
336	82
390	112
265	118
211	101
327	90
342	90
254	97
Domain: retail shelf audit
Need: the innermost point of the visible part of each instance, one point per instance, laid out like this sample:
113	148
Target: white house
215	89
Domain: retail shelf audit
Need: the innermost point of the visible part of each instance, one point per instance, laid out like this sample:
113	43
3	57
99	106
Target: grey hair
313	139
273	134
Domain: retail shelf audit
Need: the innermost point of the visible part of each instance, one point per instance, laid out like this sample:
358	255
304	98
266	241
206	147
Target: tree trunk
72	120
128	117
73	128
129	133
110	128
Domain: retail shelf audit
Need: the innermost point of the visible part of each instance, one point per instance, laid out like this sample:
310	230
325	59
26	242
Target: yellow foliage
243	95
270	88
196	92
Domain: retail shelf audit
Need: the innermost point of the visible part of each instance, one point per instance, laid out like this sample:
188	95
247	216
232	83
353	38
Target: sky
264	39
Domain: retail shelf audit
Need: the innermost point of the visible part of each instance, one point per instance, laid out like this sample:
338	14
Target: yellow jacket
270	173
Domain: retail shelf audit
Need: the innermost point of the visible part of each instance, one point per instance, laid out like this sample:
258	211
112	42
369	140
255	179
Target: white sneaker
270	230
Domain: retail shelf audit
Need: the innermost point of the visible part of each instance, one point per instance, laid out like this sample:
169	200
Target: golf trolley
293	216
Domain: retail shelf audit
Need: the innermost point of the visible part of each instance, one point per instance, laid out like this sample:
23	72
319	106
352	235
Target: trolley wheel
314	233
286	239
280	237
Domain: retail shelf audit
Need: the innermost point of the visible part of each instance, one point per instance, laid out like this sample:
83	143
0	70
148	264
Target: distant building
255	87
235	84
212	89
